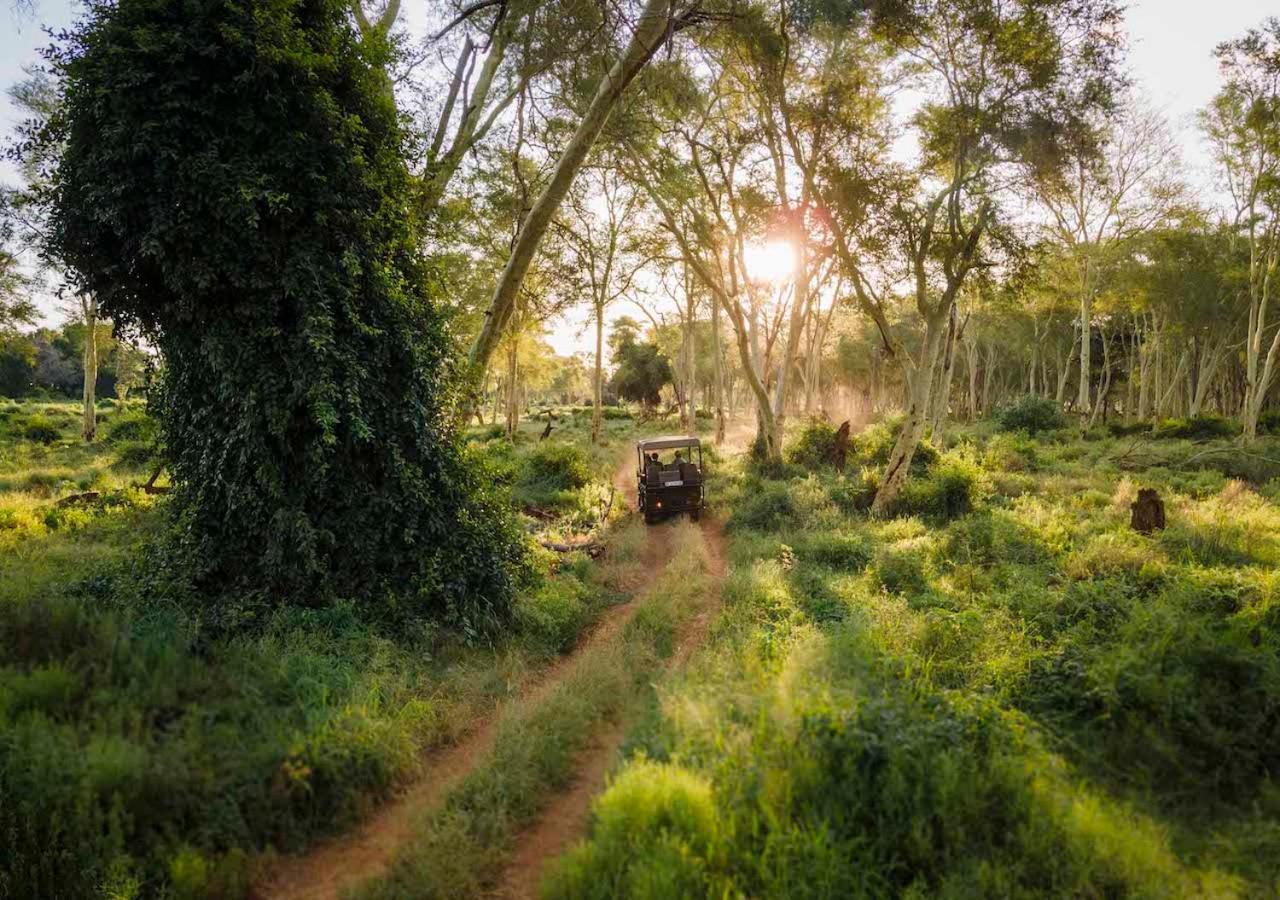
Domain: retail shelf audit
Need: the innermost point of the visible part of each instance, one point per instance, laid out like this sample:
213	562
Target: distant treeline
49	362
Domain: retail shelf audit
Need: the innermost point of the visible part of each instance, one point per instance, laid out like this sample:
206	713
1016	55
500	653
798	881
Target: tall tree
1006	85
1243	126
1102	198
656	22
229	181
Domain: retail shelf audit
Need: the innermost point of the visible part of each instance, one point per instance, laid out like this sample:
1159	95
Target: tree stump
1148	512
840	448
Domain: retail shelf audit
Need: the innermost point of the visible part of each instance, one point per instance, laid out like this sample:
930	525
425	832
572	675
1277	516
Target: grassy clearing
460	851
1001	692
143	754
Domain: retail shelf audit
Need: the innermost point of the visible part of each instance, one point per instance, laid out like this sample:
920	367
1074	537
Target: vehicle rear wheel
694	515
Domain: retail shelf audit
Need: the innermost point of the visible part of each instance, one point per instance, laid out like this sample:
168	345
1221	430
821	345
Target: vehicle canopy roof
668	442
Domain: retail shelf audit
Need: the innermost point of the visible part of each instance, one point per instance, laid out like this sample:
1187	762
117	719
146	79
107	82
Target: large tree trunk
652	28
597	380
919	384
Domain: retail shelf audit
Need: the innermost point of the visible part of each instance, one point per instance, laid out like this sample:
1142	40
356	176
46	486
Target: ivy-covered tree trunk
231	185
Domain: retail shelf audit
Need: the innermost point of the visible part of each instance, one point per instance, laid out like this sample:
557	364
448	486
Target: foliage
271	262
40	429
1199	428
812	446
1032	414
641	370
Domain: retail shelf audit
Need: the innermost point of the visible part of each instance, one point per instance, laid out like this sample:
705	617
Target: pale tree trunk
513	390
719	368
919	383
688	412
89	419
1086	339
942	400
1145	353
1064	372
799	309
653	27
971	360
597	380
1105	387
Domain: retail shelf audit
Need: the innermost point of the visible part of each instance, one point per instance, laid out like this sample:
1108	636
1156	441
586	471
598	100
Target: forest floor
1001	690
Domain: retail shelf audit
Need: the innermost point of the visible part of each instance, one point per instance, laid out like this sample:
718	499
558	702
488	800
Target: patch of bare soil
336	865
566	818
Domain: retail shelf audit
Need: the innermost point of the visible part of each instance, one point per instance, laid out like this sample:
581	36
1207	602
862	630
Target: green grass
1003	691
143	754
460	851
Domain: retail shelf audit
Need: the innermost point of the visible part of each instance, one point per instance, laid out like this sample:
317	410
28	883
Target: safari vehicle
670	478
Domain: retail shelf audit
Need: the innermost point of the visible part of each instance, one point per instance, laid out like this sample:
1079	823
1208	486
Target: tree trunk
719	368
513	388
652	29
919	384
89	421
597	381
1086	339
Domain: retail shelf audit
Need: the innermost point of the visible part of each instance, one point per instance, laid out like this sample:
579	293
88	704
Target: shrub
41	430
133	426
551	618
874	444
134	454
812	445
952	488
1199	428
1031	414
845	551
901	570
769	508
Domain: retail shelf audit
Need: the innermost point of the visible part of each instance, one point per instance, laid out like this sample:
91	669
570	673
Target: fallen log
86	497
592	549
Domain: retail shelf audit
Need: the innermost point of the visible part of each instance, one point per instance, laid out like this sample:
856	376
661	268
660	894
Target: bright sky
1171	58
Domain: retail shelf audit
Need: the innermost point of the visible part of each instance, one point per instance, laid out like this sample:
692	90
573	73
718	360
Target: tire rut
342	863
566	818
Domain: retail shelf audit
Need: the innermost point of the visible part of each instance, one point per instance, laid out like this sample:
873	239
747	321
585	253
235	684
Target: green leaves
231	185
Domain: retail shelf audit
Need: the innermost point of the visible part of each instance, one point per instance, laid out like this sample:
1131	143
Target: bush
133	426
41	430
135	454
1199	428
1031	414
1269	422
901	570
551	618
768	508
874	444
844	551
952	488
563	466
812	446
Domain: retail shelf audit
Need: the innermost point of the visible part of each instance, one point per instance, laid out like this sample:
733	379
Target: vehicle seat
689	473
652	474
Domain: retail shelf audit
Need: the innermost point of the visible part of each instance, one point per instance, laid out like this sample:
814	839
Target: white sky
1170	57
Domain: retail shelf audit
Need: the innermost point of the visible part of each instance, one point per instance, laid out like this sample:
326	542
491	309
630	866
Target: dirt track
328	869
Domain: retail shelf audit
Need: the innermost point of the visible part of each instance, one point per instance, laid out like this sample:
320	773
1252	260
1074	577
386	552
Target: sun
770	261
